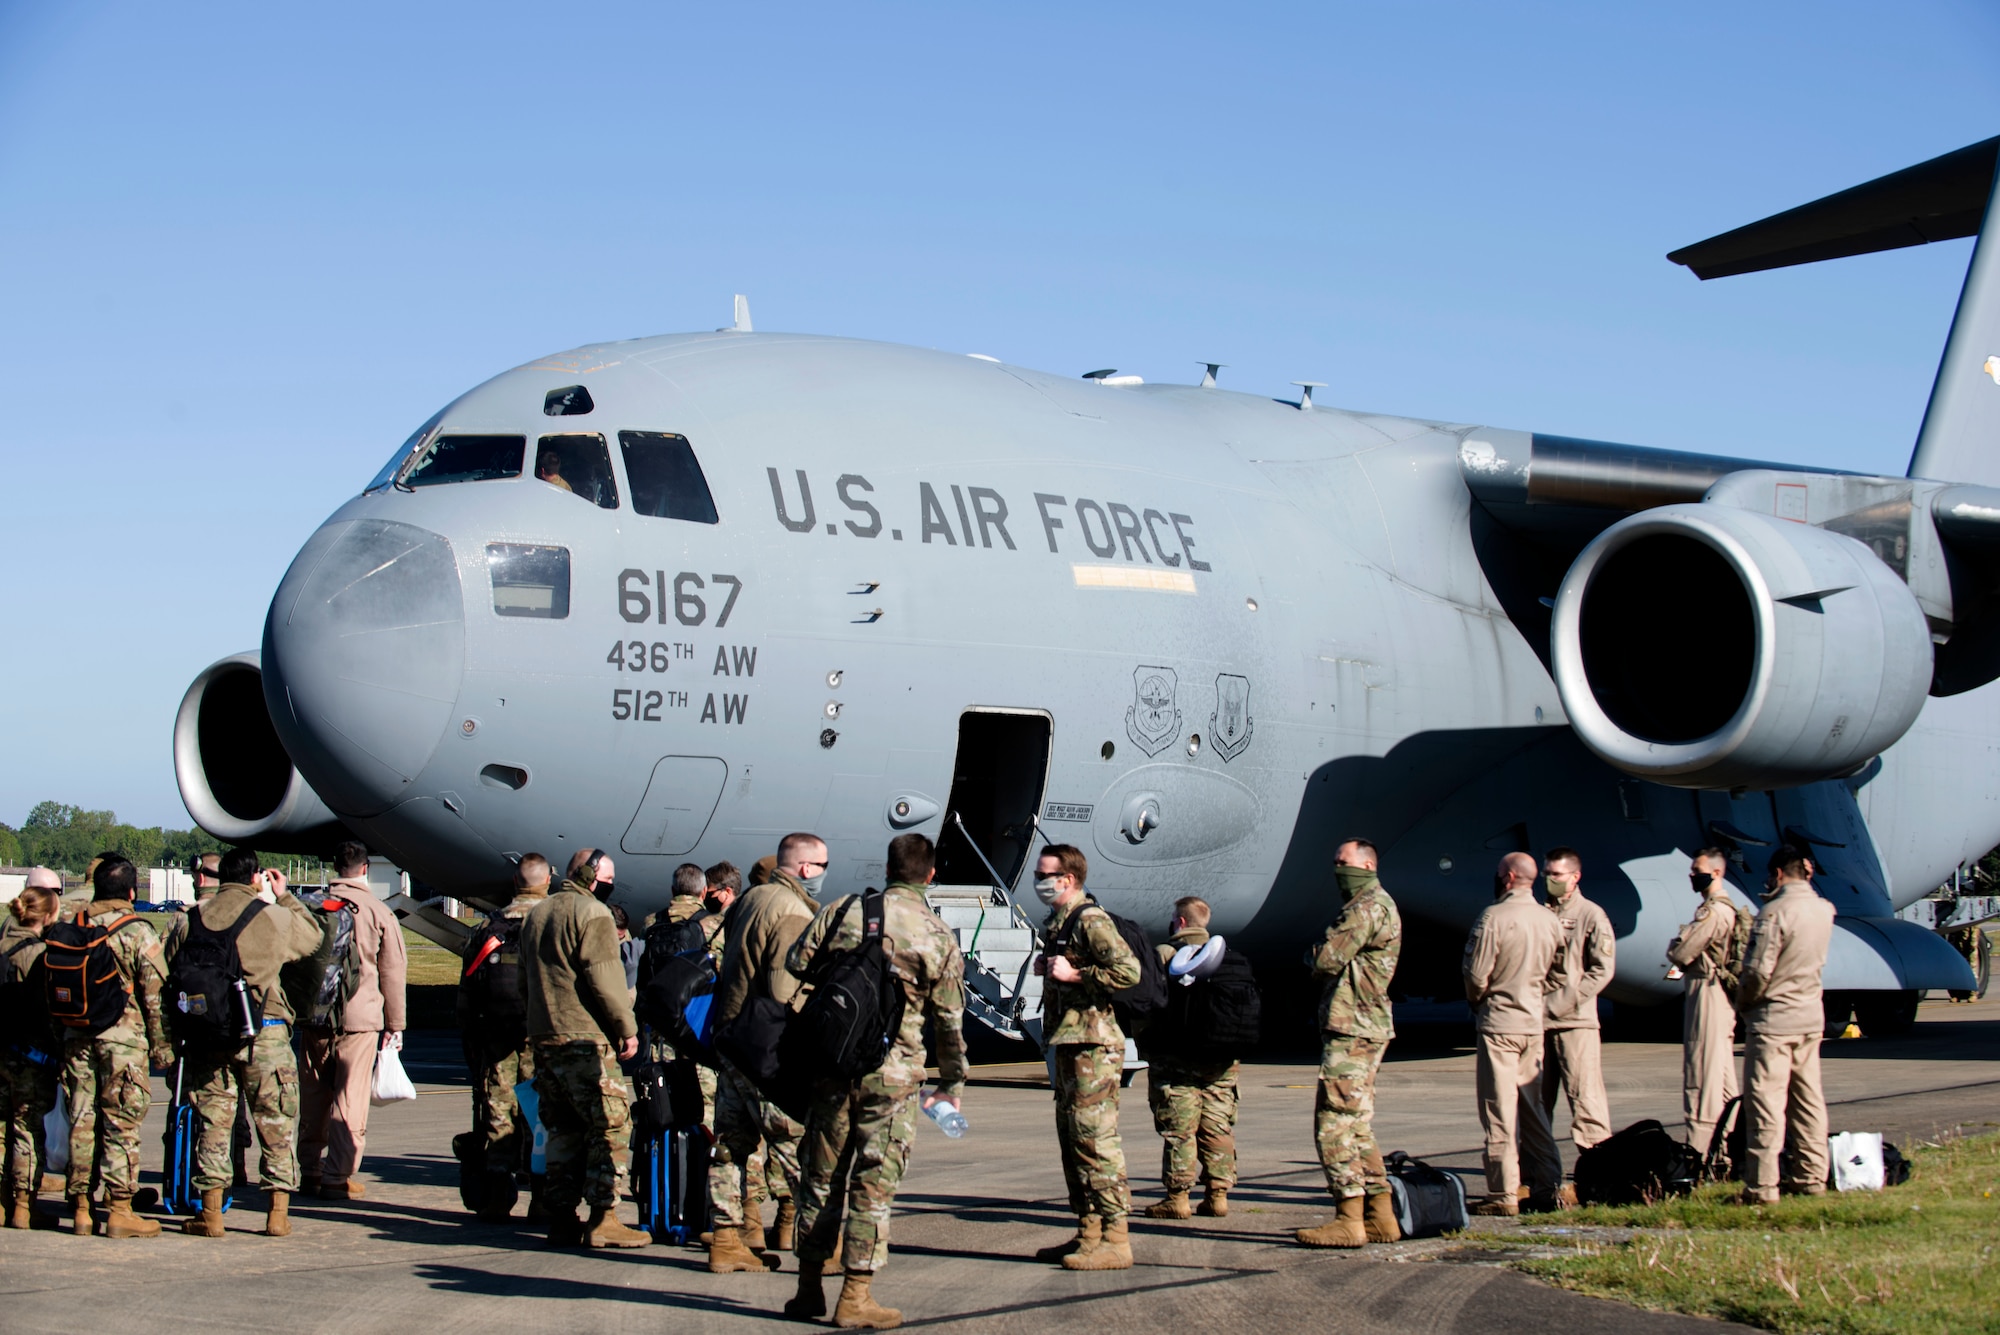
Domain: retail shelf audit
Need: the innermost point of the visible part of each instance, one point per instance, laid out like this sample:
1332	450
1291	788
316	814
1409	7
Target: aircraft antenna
742	325
1306	395
1208	373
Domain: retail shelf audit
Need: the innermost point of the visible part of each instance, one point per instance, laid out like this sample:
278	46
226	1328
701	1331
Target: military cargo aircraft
673	597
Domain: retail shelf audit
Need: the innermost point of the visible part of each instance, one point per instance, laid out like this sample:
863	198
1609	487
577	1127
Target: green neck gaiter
1355	881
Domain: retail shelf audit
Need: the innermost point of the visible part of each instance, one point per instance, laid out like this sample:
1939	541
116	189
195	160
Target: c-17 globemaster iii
673	597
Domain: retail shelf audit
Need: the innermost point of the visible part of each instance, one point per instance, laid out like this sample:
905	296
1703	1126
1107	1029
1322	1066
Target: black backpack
321	984
24	1007
851	1019
1639	1165
1136	1005
82	983
208	1003
494	985
677	978
1218	1017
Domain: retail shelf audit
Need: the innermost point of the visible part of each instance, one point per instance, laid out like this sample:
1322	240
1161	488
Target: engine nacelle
234	775
1703	646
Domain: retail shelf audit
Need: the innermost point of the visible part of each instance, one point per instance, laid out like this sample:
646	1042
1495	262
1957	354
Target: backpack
83	984
1729	971
321	984
677	979
1135	1006
855	1011
493	984
208	1003
1638	1165
1218	1017
24	1007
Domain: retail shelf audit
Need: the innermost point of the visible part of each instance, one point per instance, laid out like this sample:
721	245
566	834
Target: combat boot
80	1222
1175	1206
753	1225
1382	1225
278	1217
858	1311
120	1222
1500	1207
1089	1228
784	1229
565	1229
207	1224
727	1254
1112	1252
1347	1230
605	1229
1215	1204
21	1210
809	1303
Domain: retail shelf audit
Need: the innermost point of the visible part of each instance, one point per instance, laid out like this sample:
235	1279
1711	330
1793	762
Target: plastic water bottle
948	1118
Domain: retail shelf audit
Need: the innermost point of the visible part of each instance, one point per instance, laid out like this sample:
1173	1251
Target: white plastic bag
55	1134
391	1085
1857	1161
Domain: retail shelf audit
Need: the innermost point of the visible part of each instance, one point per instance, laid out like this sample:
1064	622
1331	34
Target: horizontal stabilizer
1932	201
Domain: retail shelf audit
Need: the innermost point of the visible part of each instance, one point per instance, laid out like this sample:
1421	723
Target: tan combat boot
21	1210
753	1225
1215	1204
80	1222
1347	1230
1089	1228
1112	1252
605	1229
727	1254
1381	1225
1498	1207
1175	1206
809	1303
278	1218
858	1311
120	1222
207	1224
784	1230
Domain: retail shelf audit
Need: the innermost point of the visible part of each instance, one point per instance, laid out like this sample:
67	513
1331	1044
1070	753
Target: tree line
66	838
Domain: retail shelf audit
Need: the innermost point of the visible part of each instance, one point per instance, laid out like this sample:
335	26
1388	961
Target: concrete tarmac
972	1212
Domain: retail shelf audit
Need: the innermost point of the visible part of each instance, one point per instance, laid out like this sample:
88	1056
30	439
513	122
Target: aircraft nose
364	651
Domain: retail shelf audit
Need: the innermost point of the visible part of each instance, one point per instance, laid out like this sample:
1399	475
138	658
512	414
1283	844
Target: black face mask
604	890
1701	881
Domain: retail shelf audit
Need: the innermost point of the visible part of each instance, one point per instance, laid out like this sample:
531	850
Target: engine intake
235	777
1703	646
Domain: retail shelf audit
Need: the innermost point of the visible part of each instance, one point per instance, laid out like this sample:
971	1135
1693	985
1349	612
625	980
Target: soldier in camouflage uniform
264	1069
581	1025
28	1066
1355	962
497	1063
862	1132
1193	1102
1085	961
104	1077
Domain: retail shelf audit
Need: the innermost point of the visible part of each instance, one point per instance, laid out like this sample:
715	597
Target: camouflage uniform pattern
266	1074
1093	1157
586	1110
744	1122
106	1079
1080	1012
497	1119
27	1088
859	1136
1355	960
1194	1110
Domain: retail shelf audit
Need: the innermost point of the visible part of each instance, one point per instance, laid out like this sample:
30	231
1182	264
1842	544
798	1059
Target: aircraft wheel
1886	1014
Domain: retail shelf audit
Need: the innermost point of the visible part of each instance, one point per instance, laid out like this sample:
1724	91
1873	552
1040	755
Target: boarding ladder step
999	944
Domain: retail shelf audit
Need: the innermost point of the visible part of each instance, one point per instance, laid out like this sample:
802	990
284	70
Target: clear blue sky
248	248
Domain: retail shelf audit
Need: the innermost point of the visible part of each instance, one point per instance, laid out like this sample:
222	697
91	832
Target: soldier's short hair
116	878
1192	910
724	876
1070	858
1790	859
794	844
1365	845
533	871
689	880
912	859
761	869
350	858
1562	853
1711	854
238	866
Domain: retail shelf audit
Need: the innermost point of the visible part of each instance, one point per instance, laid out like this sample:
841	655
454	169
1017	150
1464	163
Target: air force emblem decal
1154	720
1230	725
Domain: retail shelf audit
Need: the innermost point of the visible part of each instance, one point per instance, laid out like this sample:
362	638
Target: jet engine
1703	646
234	775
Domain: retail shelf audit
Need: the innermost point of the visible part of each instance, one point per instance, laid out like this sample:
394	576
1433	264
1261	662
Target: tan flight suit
1507	959
1783	1022
1571	1059
1708	1017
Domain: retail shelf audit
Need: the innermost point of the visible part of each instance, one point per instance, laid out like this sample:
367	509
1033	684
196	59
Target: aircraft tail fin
1949	196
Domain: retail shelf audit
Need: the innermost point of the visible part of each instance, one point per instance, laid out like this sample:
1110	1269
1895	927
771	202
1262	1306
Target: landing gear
1886	1014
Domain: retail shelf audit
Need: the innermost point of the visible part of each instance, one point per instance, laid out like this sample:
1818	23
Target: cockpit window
666	478
529	581
467	459
580	464
388	471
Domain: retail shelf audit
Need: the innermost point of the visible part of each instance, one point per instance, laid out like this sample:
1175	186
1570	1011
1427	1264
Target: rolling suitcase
177	1190
670	1169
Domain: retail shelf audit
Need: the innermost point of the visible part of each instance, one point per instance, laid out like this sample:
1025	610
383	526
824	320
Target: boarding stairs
999	944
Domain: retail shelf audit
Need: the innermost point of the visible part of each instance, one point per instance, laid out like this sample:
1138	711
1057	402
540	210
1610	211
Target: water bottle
948	1118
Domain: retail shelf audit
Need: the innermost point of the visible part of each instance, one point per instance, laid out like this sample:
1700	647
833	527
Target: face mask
1700	881
1353	880
604	890
813	884
1558	890
1045	889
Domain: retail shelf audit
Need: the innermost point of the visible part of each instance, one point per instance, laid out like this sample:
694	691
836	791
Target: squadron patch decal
1229	727
1154	720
